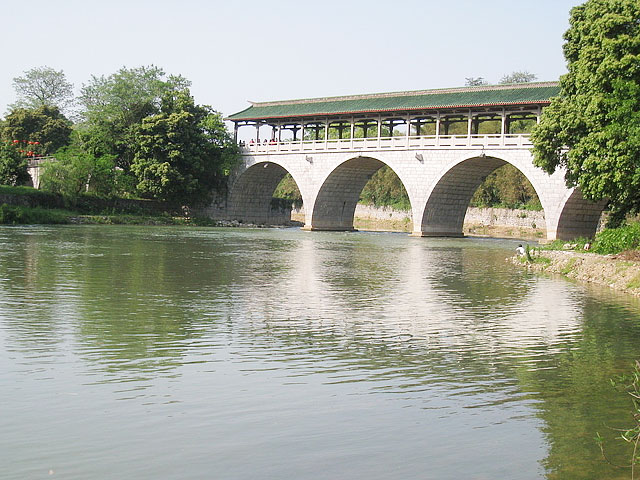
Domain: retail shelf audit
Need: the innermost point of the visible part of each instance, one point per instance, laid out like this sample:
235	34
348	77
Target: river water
171	353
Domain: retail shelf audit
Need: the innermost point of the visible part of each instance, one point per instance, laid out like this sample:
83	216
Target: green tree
43	87
113	106
182	153
45	125
75	171
385	189
13	165
592	129
506	187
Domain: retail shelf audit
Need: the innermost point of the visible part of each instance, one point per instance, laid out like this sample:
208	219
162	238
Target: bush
17	215
76	172
13	165
616	240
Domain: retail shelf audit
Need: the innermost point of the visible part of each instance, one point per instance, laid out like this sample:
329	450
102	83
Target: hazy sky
241	50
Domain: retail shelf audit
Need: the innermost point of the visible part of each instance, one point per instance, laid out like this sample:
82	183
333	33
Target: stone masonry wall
502	217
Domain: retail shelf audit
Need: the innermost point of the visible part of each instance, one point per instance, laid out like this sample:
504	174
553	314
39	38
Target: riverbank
620	272
20	215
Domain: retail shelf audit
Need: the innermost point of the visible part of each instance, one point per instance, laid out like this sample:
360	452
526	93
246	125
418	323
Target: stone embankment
497	222
620	272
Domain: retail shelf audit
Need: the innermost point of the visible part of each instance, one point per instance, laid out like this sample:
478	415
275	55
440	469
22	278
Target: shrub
16	215
13	165
616	240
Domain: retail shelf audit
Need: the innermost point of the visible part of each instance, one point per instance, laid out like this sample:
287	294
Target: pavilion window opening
422	126
453	125
366	128
314	131
486	124
389	127
520	123
339	130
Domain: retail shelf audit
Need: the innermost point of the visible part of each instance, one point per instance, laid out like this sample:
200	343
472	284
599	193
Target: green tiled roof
496	95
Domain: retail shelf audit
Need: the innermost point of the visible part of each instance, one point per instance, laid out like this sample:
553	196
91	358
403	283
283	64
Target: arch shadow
446	207
250	198
579	217
336	201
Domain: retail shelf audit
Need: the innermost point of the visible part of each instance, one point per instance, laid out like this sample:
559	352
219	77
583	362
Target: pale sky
241	50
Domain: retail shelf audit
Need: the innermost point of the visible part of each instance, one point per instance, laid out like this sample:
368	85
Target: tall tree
113	105
43	87
182	153
592	129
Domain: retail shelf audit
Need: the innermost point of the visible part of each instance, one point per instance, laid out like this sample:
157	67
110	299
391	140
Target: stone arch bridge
442	144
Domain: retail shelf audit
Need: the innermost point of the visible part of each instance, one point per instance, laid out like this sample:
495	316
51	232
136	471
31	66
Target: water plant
630	384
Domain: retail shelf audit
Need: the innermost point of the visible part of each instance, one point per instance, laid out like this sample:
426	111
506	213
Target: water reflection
406	340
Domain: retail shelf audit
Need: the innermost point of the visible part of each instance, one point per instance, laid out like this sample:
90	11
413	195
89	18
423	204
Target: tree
43	87
182	153
113	105
592	129
76	171
518	77
44	125
475	81
13	165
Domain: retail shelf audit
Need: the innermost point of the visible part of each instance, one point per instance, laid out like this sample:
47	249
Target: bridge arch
451	192
335	203
578	217
251	194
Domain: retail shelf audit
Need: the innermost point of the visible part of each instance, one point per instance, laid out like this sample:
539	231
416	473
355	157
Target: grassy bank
26	205
20	215
611	259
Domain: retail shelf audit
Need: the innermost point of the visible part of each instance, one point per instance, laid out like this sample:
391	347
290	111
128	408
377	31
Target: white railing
393	143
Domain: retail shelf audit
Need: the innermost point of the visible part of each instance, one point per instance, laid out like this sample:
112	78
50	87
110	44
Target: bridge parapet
392	143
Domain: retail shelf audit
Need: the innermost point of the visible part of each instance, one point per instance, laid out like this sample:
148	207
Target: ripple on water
297	356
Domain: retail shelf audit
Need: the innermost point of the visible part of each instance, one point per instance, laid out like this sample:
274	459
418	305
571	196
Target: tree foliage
592	129
506	187
43	87
385	189
181	153
45	125
112	106
75	171
475	81
13	165
518	77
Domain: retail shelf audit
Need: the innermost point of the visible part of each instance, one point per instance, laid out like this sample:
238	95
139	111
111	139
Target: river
185	353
